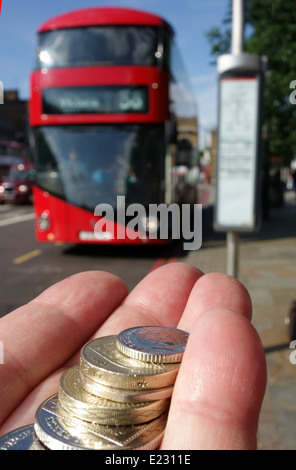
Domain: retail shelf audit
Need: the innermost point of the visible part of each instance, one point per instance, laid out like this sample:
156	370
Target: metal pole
232	238
238	26
232	241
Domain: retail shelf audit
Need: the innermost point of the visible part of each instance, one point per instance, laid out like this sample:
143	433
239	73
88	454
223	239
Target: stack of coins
116	398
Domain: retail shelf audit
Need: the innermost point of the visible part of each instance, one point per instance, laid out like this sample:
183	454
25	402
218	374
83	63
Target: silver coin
58	430
124	395
22	438
158	344
101	361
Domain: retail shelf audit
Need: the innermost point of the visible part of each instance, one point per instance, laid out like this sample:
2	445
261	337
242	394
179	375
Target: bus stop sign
239	136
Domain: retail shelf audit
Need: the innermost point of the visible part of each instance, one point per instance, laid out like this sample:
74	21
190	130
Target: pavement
267	268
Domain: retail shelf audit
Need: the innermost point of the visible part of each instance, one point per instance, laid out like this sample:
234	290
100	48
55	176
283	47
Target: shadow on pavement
281	223
276	347
172	249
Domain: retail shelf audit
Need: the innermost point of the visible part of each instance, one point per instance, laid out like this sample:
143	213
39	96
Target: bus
112	123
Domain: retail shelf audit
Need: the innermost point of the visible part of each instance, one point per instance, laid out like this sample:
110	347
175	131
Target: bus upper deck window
98	45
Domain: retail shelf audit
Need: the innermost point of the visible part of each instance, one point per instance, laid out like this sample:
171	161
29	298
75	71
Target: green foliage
219	40
272	33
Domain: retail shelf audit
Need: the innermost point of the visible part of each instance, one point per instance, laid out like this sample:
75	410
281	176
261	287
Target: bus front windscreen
98	45
87	165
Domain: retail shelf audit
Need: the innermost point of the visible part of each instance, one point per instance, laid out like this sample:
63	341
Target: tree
271	32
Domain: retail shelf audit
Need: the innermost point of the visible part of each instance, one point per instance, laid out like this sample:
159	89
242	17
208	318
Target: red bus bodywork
102	16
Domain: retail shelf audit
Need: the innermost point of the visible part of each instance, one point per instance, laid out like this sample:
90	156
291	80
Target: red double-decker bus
112	121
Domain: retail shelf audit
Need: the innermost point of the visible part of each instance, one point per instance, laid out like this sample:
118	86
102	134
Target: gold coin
80	403
58	430
124	395
102	362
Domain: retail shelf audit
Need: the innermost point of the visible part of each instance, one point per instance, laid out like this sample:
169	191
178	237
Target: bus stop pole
237	45
237	40
232	241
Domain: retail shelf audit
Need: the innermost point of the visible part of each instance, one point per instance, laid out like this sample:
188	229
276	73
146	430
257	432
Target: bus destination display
95	99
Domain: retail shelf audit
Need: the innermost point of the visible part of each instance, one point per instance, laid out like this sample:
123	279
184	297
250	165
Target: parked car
17	186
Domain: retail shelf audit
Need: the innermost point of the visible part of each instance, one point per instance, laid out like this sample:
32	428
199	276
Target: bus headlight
44	222
150	224
23	188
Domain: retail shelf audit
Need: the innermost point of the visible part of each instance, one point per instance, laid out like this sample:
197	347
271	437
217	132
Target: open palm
221	382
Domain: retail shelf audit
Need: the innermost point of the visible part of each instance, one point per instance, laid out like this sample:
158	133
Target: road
28	267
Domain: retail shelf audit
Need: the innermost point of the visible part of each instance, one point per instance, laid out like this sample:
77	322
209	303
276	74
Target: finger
25	412
216	290
220	385
159	299
43	334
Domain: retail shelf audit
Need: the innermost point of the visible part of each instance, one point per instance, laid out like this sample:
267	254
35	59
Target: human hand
221	382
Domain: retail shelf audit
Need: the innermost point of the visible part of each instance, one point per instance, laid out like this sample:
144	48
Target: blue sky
20	19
